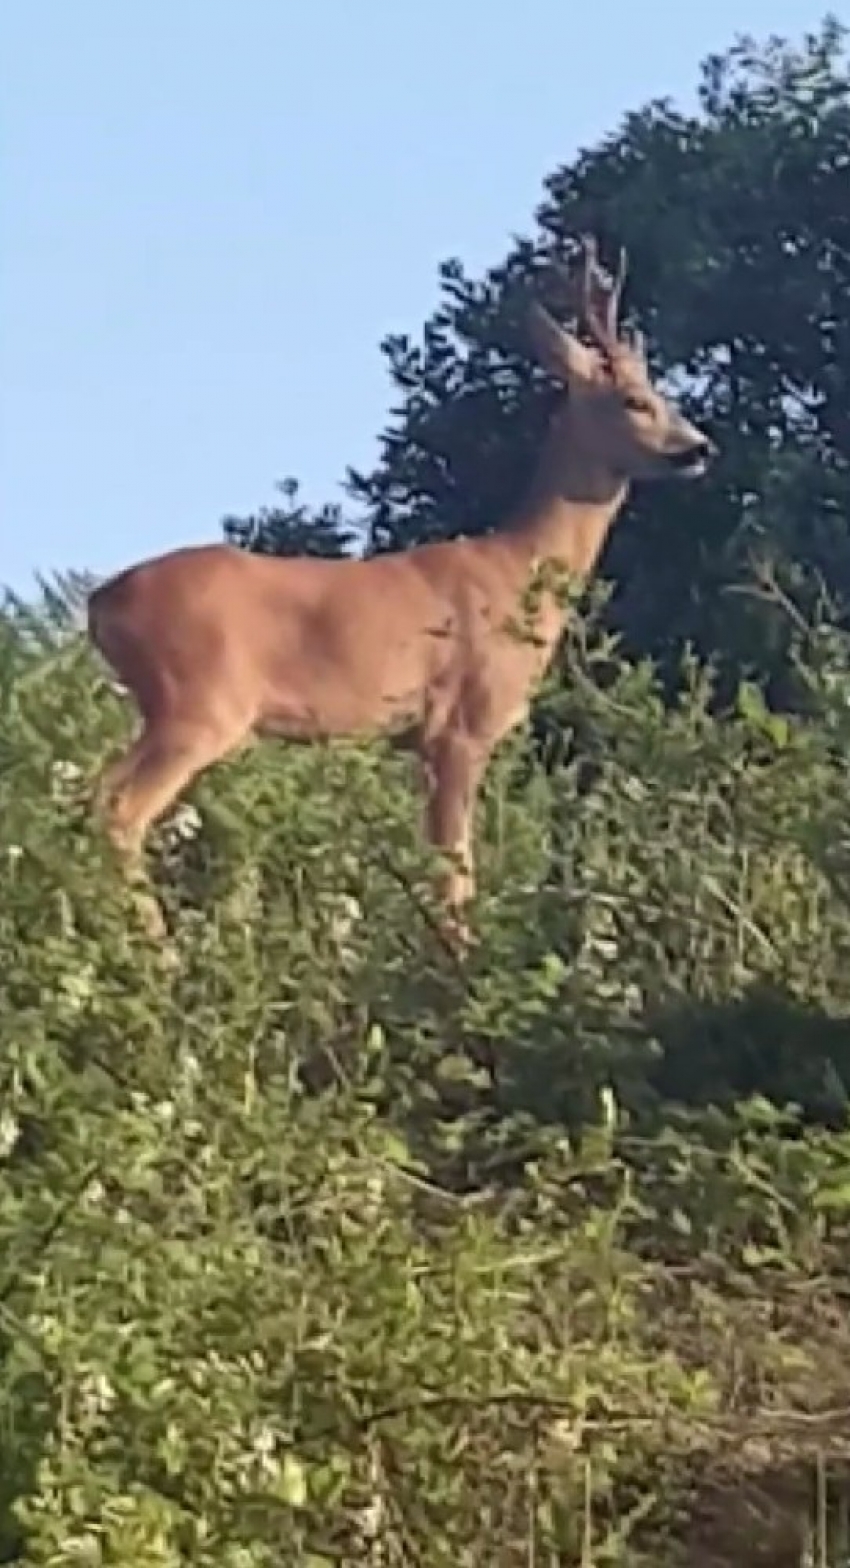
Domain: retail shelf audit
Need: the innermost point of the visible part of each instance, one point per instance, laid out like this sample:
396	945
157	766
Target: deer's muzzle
693	460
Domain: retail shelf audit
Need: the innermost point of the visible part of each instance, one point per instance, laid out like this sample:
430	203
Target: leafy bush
319	1249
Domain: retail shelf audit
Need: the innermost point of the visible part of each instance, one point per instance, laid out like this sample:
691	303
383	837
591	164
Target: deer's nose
697	455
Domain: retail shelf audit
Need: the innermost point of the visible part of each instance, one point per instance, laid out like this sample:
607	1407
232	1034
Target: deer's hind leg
138	787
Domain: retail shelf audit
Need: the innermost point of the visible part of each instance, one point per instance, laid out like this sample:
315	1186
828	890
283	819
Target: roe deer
217	645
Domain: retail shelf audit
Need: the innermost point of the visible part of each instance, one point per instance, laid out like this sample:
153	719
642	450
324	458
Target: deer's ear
557	350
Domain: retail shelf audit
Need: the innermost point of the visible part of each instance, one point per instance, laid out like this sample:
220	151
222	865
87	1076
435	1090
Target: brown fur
218	646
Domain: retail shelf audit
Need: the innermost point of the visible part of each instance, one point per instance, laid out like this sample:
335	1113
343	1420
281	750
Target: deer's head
617	419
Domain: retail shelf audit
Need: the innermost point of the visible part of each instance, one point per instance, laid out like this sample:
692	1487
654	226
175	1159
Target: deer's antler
598	294
601	294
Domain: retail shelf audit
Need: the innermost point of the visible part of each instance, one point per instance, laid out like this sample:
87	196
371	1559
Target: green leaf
292	1482
834	1197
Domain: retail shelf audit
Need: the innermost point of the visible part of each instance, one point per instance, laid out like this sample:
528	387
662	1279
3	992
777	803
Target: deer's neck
569	509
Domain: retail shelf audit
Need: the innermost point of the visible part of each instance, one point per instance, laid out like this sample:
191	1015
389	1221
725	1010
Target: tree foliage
293	528
738	230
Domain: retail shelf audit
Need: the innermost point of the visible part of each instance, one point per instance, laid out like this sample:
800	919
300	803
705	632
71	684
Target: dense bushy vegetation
318	1247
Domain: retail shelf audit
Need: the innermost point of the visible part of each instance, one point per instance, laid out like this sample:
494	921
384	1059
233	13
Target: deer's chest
502	666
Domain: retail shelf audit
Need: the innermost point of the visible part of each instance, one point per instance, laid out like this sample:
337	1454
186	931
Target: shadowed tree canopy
736	218
291	528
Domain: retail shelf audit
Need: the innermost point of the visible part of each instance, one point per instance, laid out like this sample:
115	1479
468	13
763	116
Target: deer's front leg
453	770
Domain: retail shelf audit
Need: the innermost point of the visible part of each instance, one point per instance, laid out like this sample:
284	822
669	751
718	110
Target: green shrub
316	1248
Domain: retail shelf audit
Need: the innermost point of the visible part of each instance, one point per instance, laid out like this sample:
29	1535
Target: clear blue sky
213	210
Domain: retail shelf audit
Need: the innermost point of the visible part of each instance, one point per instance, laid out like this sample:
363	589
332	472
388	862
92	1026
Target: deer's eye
637	405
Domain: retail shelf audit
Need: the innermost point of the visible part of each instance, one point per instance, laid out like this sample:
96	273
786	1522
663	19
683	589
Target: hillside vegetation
317	1249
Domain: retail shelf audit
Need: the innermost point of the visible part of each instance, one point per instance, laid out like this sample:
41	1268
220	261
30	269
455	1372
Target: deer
219	647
